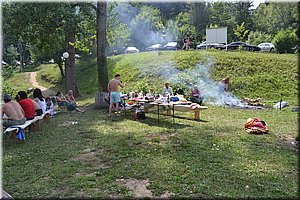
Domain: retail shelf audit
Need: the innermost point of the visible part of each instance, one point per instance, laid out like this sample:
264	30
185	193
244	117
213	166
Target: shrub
285	40
7	89
258	37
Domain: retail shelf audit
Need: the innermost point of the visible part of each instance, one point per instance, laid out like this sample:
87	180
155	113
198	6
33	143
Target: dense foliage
139	24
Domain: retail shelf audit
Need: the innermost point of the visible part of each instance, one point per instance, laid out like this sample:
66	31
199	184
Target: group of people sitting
195	95
68	101
23	108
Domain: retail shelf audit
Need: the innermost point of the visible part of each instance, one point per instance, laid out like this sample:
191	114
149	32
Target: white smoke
141	34
199	75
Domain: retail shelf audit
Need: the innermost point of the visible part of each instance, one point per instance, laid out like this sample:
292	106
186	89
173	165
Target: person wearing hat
196	95
15	115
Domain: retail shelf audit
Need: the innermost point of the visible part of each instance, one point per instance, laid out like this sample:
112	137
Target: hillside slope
264	75
269	76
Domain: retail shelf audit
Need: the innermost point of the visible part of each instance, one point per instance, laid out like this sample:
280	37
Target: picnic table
181	106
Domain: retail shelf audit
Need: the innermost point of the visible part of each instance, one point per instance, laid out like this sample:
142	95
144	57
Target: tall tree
200	13
101	46
147	22
272	17
242	13
221	14
170	10
48	33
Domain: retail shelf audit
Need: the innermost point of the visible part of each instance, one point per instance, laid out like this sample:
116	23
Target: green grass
212	158
49	76
265	75
20	81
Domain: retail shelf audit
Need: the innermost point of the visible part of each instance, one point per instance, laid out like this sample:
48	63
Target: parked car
51	61
4	63
211	45
17	62
131	50
296	49
154	47
171	46
266	46
243	45
77	56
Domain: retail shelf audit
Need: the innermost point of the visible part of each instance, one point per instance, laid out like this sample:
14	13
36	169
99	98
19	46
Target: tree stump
100	100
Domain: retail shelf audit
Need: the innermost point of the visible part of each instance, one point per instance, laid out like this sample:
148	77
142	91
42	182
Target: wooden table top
171	103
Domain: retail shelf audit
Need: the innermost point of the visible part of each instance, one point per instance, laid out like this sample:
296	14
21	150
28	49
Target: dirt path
35	84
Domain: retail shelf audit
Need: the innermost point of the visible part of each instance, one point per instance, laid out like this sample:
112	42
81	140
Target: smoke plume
199	75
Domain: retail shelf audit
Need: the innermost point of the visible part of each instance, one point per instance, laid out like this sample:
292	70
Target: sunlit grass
215	157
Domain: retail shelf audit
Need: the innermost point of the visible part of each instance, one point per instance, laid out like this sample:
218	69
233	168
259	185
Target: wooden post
197	114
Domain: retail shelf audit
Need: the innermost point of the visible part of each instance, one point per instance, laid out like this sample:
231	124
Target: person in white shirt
167	90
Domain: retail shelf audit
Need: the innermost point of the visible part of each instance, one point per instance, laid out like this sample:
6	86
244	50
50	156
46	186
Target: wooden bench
35	124
187	108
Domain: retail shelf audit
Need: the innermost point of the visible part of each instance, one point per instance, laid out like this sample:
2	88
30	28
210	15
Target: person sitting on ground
62	101
39	98
225	84
113	89
150	94
167	90
15	114
27	105
70	97
50	106
196	96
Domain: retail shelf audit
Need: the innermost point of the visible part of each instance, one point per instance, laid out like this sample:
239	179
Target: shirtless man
114	92
14	112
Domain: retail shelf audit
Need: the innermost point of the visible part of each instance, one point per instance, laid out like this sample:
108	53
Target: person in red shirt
196	96
27	105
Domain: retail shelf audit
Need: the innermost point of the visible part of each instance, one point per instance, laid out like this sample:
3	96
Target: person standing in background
113	89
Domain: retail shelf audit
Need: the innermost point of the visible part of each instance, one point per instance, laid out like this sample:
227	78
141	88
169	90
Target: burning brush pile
245	103
253	103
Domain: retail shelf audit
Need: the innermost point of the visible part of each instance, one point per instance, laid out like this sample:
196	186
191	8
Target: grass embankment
211	158
268	76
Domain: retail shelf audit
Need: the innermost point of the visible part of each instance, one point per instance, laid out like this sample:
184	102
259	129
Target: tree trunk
70	65
20	46
101	47
60	66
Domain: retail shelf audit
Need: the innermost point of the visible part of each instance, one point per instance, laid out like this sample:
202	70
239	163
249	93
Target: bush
7	89
285	41
257	37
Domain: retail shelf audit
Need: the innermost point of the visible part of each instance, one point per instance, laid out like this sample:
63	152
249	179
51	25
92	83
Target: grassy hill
264	75
269	76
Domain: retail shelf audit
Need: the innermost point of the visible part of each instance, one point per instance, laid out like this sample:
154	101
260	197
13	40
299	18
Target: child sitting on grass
50	106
